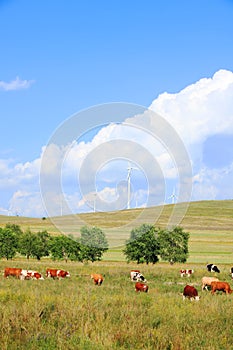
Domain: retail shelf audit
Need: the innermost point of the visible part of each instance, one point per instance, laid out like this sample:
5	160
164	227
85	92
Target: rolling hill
210	224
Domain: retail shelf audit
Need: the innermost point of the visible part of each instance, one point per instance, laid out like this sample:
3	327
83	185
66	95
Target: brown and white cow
141	287
221	286
97	278
187	273
30	274
191	293
135	275
206	282
55	273
12	271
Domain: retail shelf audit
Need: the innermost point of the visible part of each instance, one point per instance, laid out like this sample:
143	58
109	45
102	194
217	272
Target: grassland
210	224
74	314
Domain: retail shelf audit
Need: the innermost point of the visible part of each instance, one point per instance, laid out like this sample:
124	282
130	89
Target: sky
108	105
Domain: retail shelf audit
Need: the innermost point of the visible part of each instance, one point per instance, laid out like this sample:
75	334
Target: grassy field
75	314
210	224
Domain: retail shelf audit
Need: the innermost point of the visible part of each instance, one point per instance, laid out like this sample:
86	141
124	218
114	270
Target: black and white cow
232	272
136	276
212	268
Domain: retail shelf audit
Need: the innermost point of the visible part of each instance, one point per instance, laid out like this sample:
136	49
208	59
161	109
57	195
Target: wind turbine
129	169
173	196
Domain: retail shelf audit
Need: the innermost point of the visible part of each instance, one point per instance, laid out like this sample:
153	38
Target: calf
12	271
187	273
135	275
54	273
220	286
141	287
30	274
206	282
191	293
212	268
97	278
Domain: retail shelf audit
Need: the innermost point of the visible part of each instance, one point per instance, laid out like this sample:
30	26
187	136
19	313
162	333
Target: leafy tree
65	247
174	245
8	243
41	245
27	243
94	243
142	246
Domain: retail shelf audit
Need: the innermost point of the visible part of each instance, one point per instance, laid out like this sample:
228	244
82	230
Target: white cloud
199	111
17	84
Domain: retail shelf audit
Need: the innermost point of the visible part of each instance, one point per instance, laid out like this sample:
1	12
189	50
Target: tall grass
75	314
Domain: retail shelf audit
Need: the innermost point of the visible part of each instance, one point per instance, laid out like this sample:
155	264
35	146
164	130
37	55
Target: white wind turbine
173	196
129	169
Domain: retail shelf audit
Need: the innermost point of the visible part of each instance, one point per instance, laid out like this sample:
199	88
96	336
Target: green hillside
210	224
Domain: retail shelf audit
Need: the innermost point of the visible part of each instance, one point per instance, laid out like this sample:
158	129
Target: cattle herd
136	276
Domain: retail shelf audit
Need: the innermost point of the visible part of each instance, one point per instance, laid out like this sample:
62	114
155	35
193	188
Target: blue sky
61	57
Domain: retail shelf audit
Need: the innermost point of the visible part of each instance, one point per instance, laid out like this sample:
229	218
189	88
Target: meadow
75	314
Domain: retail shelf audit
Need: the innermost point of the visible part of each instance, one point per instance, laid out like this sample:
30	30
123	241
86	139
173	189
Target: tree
142	246
65	247
174	245
27	243
8	243
94	243
41	245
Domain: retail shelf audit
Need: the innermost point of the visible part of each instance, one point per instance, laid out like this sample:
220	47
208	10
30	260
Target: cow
30	274
232	272
136	276
141	287
206	282
220	286
12	271
187	273
97	278
55	273
212	268
191	293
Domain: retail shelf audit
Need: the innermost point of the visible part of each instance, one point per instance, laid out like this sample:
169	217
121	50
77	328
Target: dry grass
76	314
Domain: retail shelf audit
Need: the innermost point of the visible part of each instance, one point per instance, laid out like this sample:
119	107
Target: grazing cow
97	278
30	274
232	272
206	282
141	287
221	286
54	273
191	293
136	276
12	271
212	268
186	273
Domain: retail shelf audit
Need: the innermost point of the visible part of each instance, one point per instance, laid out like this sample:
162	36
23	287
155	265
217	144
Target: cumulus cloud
16	84
193	115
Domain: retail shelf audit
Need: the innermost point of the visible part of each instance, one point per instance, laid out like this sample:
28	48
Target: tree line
89	247
147	244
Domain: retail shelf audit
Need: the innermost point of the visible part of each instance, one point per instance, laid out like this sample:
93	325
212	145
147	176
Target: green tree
8	243
65	247
142	246
41	245
94	243
174	245
27	243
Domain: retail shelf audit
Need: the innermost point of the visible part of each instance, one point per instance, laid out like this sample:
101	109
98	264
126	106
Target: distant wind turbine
173	196
129	169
